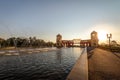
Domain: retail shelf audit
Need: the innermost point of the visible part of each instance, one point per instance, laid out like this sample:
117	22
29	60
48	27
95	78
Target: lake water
51	65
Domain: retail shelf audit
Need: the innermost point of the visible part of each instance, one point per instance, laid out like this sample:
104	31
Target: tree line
24	42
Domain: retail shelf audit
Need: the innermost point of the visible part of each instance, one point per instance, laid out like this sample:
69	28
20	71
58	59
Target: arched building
68	43
84	43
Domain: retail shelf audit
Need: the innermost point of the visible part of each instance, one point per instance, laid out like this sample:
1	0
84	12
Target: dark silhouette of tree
11	41
2	43
24	42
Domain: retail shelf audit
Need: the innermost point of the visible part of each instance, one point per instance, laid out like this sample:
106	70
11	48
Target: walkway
80	69
103	65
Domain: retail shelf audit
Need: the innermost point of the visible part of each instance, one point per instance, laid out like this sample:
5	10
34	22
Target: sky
71	18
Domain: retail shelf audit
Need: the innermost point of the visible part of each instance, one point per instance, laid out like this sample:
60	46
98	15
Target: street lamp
109	36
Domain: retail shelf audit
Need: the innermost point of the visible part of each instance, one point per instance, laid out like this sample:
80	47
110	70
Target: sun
102	35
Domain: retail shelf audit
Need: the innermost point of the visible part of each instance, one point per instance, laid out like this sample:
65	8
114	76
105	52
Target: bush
110	48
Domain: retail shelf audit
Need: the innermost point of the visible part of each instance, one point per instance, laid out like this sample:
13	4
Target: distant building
78	42
84	43
94	39
59	40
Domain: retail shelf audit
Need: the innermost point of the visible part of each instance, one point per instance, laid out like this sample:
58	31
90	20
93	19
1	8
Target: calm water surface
52	65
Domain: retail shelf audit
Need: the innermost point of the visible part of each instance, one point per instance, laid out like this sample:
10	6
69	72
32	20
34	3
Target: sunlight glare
102	35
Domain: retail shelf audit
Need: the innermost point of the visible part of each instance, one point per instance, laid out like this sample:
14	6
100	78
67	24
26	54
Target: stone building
59	40
93	42
94	39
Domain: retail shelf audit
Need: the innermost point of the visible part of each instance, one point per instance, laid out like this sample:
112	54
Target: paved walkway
80	69
103	65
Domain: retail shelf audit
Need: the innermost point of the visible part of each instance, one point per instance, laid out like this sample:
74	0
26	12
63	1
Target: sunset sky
71	18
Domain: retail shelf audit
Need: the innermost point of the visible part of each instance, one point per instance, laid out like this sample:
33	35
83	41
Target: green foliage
24	42
112	48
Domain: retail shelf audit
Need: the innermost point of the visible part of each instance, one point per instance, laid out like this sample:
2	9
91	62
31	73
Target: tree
113	43
2	42
11	41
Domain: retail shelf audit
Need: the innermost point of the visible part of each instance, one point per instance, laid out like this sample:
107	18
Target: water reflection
53	65
59	56
77	51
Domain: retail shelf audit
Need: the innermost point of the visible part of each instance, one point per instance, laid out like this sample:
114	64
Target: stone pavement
103	65
80	69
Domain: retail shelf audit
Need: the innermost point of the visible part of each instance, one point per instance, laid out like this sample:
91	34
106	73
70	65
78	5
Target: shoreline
20	51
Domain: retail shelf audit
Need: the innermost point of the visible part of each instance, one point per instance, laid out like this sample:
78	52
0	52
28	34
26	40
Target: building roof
59	35
93	32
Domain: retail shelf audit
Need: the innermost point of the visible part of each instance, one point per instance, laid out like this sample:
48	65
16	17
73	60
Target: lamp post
109	36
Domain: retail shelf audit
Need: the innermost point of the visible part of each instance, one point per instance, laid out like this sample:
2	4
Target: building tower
94	39
59	40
